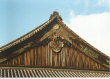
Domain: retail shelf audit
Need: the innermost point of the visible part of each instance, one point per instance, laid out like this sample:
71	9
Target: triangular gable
69	38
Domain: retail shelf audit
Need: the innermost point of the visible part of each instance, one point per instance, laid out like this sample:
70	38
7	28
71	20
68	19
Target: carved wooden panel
44	56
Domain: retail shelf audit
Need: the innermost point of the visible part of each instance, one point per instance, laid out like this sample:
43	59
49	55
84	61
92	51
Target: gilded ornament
56	27
56	46
3	59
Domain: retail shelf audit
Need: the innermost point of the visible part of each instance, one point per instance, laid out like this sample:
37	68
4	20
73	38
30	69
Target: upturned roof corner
56	14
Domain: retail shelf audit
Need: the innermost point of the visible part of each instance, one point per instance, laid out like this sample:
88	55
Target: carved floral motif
56	44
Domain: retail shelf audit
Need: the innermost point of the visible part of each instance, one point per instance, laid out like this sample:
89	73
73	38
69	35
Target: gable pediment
54	45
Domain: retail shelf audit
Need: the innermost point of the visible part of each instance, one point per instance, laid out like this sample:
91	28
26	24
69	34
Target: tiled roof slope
49	72
26	36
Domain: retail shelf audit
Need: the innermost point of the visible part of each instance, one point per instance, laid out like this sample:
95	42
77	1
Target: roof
49	72
26	36
54	16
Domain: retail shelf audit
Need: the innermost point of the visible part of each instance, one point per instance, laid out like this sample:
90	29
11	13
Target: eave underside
49	72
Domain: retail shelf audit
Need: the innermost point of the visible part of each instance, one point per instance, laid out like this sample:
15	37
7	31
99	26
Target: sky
88	18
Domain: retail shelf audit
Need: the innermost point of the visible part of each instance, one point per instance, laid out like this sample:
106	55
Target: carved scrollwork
56	44
89	52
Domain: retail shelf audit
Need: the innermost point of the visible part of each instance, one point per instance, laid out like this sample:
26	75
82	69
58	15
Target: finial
55	13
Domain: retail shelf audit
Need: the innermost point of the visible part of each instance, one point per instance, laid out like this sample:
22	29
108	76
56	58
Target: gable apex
55	14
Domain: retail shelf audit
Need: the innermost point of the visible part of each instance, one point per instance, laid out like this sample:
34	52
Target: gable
56	46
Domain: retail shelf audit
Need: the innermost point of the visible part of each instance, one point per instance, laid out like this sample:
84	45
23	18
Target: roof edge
32	32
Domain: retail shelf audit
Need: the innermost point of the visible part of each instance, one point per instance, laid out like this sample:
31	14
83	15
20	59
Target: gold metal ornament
56	46
56	27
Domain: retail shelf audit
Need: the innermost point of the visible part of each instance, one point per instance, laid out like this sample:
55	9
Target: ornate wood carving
89	52
56	44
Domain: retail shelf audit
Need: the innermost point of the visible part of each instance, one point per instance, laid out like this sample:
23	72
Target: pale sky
94	28
88	18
